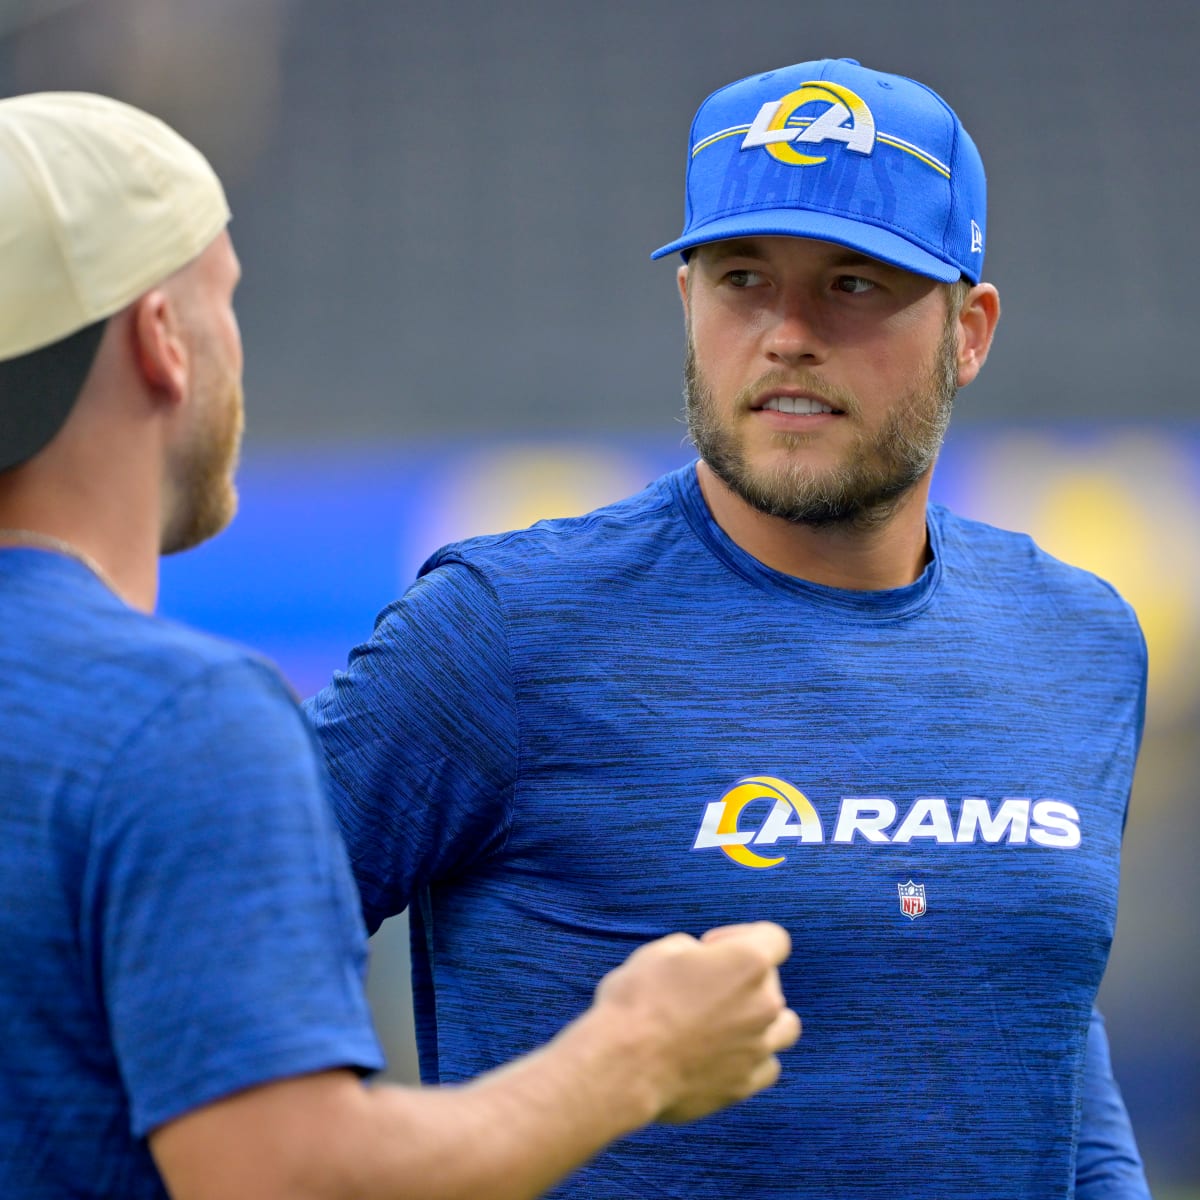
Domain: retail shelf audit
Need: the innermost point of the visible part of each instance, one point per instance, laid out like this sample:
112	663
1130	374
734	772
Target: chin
198	523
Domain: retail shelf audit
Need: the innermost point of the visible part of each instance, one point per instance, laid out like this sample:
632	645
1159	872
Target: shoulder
207	744
76	657
613	528
108	682
999	561
147	659
181	653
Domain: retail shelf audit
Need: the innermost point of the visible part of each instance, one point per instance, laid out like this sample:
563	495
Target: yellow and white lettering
845	119
710	833
720	825
1017	821
831	124
779	824
762	132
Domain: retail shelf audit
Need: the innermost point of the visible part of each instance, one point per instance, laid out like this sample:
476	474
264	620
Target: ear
681	278
976	326
160	351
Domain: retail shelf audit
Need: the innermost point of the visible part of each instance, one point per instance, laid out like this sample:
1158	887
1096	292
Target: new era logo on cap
834	151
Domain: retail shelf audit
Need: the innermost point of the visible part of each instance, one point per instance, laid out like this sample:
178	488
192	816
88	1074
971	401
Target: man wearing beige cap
181	949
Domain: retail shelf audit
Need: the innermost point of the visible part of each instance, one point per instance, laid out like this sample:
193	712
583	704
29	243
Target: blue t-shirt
568	740
177	919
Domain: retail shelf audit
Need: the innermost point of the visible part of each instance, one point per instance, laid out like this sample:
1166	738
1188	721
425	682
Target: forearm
508	1135
678	1030
513	1133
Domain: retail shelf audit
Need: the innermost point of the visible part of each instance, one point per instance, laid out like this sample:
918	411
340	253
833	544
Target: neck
123	557
98	487
891	553
45	541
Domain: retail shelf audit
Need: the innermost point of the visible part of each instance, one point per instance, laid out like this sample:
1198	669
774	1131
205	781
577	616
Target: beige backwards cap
99	202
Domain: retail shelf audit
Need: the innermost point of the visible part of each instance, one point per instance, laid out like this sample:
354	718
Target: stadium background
444	214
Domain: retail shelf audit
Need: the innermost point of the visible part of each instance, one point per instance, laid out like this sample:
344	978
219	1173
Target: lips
796	405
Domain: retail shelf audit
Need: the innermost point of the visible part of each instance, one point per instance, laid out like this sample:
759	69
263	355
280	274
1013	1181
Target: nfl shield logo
912	899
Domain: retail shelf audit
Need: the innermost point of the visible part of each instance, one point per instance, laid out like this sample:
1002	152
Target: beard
877	471
205	496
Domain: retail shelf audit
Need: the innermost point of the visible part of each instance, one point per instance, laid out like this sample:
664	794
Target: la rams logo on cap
846	118
818	111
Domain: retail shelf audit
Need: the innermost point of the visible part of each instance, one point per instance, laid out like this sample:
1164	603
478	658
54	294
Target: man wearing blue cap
780	681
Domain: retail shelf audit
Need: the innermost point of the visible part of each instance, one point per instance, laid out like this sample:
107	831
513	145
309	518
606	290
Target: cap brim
825	227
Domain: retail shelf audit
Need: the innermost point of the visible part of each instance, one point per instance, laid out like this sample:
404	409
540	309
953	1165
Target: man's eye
854	285
743	279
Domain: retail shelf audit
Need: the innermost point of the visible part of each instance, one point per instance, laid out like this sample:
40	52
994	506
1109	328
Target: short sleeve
420	738
219	912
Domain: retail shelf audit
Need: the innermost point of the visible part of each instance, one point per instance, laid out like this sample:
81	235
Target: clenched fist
711	1014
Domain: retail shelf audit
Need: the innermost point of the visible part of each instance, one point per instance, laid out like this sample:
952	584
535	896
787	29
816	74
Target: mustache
801	379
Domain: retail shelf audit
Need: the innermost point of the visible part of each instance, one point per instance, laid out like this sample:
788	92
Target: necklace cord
45	541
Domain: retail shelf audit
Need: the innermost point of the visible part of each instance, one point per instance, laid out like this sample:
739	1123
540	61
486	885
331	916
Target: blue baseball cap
835	151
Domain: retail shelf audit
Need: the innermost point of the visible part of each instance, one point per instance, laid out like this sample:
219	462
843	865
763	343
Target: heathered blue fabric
1108	1165
526	748
177	917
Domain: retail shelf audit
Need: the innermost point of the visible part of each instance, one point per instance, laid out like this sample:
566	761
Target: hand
712	1012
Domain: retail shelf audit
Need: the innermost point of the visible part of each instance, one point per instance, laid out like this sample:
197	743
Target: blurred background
444	215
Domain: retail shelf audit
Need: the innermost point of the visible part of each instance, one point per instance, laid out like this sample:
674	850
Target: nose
795	336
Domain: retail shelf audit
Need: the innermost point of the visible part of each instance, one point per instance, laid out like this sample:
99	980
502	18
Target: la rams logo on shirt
791	815
928	820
